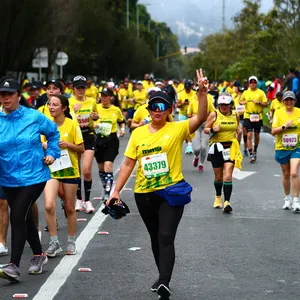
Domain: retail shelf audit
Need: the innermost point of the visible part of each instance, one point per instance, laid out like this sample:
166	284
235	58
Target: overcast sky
210	12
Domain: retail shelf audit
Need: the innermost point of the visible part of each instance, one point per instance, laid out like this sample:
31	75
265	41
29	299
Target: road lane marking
240	175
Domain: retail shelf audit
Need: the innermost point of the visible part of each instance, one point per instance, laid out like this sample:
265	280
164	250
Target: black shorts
217	159
107	148
88	139
252	126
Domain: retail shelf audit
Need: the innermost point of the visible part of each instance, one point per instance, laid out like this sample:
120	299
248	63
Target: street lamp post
127	14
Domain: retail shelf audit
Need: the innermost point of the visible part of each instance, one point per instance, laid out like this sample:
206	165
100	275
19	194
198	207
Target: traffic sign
61	58
40	58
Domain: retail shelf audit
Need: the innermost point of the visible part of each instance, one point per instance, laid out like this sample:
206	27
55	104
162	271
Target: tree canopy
94	35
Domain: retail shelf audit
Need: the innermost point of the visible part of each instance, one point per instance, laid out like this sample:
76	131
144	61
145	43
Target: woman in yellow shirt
224	153
65	175
286	128
107	142
157	148
85	111
276	104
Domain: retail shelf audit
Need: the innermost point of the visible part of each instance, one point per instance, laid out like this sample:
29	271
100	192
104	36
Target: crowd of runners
68	124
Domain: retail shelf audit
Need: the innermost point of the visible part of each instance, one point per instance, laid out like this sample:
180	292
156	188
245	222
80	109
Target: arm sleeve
295	85
49	129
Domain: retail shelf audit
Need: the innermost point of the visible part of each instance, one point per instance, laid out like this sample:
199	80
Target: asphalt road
249	254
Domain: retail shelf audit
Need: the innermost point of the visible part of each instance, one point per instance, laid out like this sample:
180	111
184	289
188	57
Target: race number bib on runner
254	117
104	129
83	120
289	140
155	165
61	163
226	154
240	109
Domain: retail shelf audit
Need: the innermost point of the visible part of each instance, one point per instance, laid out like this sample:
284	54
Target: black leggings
161	221
23	227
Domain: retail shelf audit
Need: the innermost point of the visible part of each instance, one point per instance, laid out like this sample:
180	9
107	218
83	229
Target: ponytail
65	103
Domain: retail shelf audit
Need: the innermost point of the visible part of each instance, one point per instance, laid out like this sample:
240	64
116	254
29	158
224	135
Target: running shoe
37	263
3	250
195	161
188	150
53	249
218	202
163	292
227	207
287	203
89	208
200	169
79	205
245	152
252	159
10	272
155	286
71	248
296	206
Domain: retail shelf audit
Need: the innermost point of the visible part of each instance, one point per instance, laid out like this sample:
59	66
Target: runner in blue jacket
24	172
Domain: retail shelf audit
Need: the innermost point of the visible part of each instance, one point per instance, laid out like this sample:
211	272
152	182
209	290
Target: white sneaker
188	150
89	208
79	205
3	250
296	206
287	203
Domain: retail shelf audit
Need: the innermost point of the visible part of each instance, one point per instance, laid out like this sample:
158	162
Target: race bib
104	129
254	117
155	165
289	140
83	120
61	163
240	109
226	154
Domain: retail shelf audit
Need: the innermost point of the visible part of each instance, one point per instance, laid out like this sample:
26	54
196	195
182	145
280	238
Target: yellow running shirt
83	114
228	128
250	107
92	92
289	138
159	155
276	104
109	118
69	132
193	106
140	97
182	96
45	111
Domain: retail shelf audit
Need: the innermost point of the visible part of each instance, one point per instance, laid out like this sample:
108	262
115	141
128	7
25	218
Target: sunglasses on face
160	106
253	81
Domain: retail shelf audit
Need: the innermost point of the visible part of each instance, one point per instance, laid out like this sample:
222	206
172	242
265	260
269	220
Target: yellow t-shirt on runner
109	118
193	106
276	104
45	111
159	155
69	132
83	114
289	138
250	107
140	97
182	96
92	92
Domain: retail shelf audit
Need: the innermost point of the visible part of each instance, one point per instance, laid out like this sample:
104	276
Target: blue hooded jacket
21	151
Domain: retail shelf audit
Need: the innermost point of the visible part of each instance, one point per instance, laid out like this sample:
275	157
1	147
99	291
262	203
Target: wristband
283	127
211	130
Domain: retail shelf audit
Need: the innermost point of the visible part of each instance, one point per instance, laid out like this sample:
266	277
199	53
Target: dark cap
188	84
116	209
10	86
79	81
160	96
55	83
107	92
32	87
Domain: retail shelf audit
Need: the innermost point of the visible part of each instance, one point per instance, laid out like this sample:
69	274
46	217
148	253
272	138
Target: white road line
61	273
63	270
